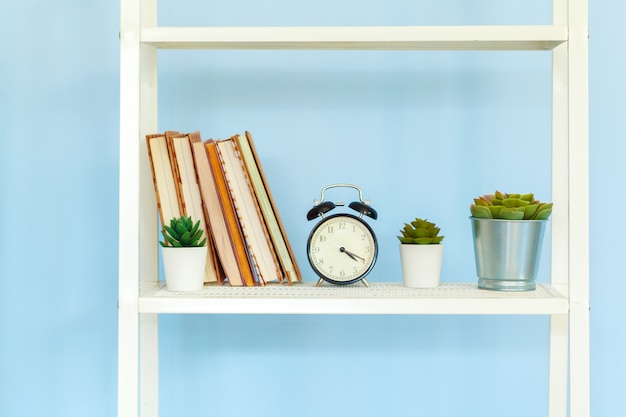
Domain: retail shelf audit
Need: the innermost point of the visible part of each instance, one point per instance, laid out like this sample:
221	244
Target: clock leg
319	282
365	282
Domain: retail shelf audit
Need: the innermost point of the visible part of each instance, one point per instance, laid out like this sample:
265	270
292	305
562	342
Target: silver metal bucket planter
507	253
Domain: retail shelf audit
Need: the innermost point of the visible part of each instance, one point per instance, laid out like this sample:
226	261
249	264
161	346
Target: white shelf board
542	37
378	298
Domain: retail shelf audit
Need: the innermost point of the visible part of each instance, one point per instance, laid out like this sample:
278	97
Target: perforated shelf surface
378	298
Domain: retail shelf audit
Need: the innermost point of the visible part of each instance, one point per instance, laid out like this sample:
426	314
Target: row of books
222	184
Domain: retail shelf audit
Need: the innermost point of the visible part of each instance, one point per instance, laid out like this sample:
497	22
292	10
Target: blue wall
425	131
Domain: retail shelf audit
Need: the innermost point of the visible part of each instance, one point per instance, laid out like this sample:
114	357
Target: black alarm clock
342	248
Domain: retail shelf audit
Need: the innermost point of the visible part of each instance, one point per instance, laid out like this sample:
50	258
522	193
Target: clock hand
350	254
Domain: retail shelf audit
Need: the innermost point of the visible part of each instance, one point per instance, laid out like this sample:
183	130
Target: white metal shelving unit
565	299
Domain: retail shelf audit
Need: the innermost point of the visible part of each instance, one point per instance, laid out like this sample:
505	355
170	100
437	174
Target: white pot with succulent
421	254
184	255
507	231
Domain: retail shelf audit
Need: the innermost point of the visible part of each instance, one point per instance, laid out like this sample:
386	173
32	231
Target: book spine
256	270
228	211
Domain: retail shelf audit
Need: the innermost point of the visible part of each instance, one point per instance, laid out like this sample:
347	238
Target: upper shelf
543	37
378	298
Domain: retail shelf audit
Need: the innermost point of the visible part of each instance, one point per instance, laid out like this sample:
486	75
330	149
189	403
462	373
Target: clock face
342	249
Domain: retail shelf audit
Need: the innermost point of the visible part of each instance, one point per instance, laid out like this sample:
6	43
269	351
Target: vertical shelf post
129	259
559	324
138	334
148	215
579	208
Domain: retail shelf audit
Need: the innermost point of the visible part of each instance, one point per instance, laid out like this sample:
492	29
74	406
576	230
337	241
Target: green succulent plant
510	207
420	232
181	233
